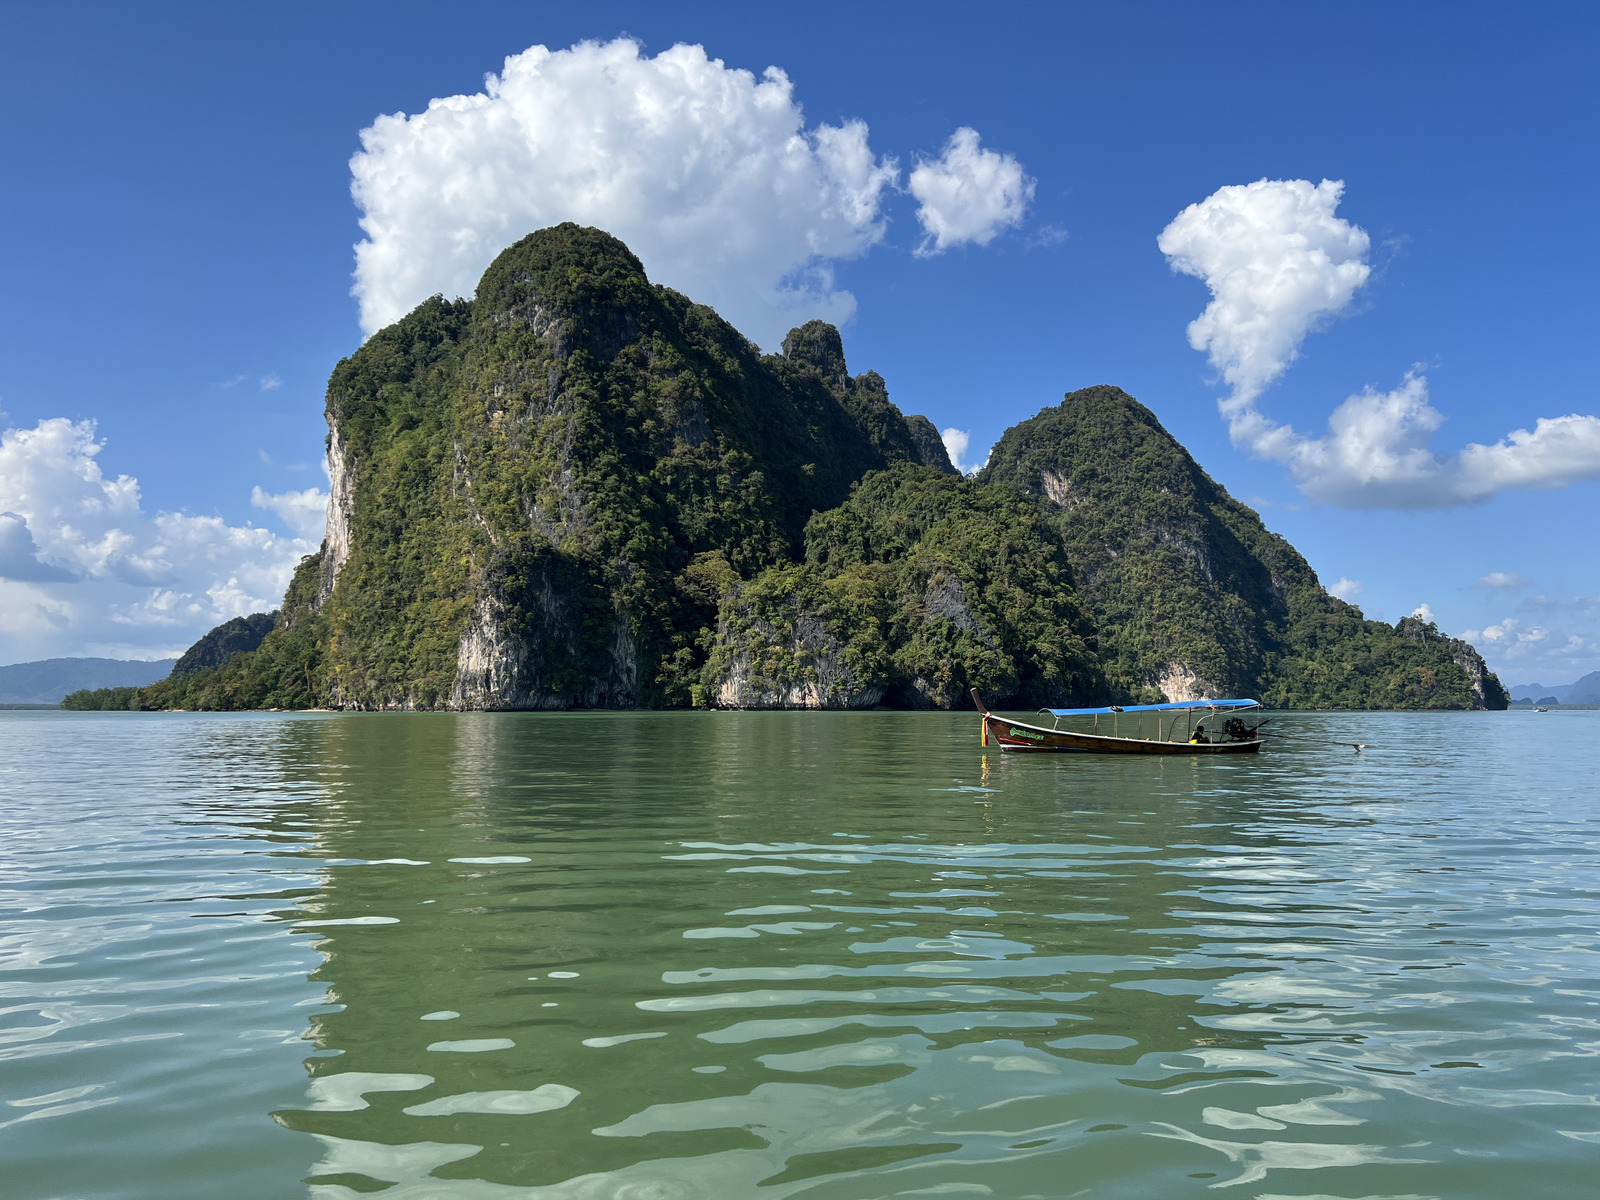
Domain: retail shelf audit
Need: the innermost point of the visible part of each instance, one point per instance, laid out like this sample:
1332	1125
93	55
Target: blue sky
178	234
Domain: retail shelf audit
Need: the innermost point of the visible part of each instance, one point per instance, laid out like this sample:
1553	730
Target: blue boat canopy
1139	708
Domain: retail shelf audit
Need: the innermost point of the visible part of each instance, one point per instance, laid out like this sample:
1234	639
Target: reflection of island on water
572	943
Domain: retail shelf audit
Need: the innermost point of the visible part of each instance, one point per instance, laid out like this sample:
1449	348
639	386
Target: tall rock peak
534	486
817	344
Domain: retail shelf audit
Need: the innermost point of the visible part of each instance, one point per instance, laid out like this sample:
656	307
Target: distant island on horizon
1583	691
580	489
48	680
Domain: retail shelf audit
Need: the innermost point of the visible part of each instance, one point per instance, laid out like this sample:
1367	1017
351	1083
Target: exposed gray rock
796	663
946	600
524	648
341	497
1178	682
1485	685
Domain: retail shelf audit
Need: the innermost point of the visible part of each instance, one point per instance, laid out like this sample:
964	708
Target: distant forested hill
580	489
237	636
50	679
1584	691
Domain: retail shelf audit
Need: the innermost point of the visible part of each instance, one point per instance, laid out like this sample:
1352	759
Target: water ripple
227	942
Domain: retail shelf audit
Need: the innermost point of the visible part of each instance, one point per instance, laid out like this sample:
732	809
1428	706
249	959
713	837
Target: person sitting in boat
1199	737
1237	730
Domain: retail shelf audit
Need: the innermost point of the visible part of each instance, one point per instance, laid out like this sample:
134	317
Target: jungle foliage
232	637
927	585
571	442
1176	571
111	699
611	495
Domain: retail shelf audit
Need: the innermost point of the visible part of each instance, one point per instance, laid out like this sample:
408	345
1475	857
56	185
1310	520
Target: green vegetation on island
1191	592
920	586
532	473
582	489
222	643
283	671
111	699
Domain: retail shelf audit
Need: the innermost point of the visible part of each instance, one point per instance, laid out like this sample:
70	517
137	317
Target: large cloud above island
85	570
709	173
1280	263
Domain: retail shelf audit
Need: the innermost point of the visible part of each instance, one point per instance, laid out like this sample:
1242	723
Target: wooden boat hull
1018	736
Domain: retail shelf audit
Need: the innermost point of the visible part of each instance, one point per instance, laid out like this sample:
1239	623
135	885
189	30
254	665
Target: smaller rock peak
1105	397
580	287
1108	406
817	344
560	261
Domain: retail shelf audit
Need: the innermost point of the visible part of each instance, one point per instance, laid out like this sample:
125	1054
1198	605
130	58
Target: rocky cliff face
519	483
581	489
513	650
785	659
341	496
1193	596
1486	687
917	588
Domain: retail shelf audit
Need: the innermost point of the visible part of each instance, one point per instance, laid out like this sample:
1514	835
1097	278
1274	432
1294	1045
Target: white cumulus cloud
1511	644
84	570
19	555
305	512
957	442
1346	589
1554	639
1508	580
1279	262
708	173
968	194
1559	640
1375	454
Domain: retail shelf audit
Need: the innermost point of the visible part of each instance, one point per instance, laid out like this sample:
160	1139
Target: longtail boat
1233	736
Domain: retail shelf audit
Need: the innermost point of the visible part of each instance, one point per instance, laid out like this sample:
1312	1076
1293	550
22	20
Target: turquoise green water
821	955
